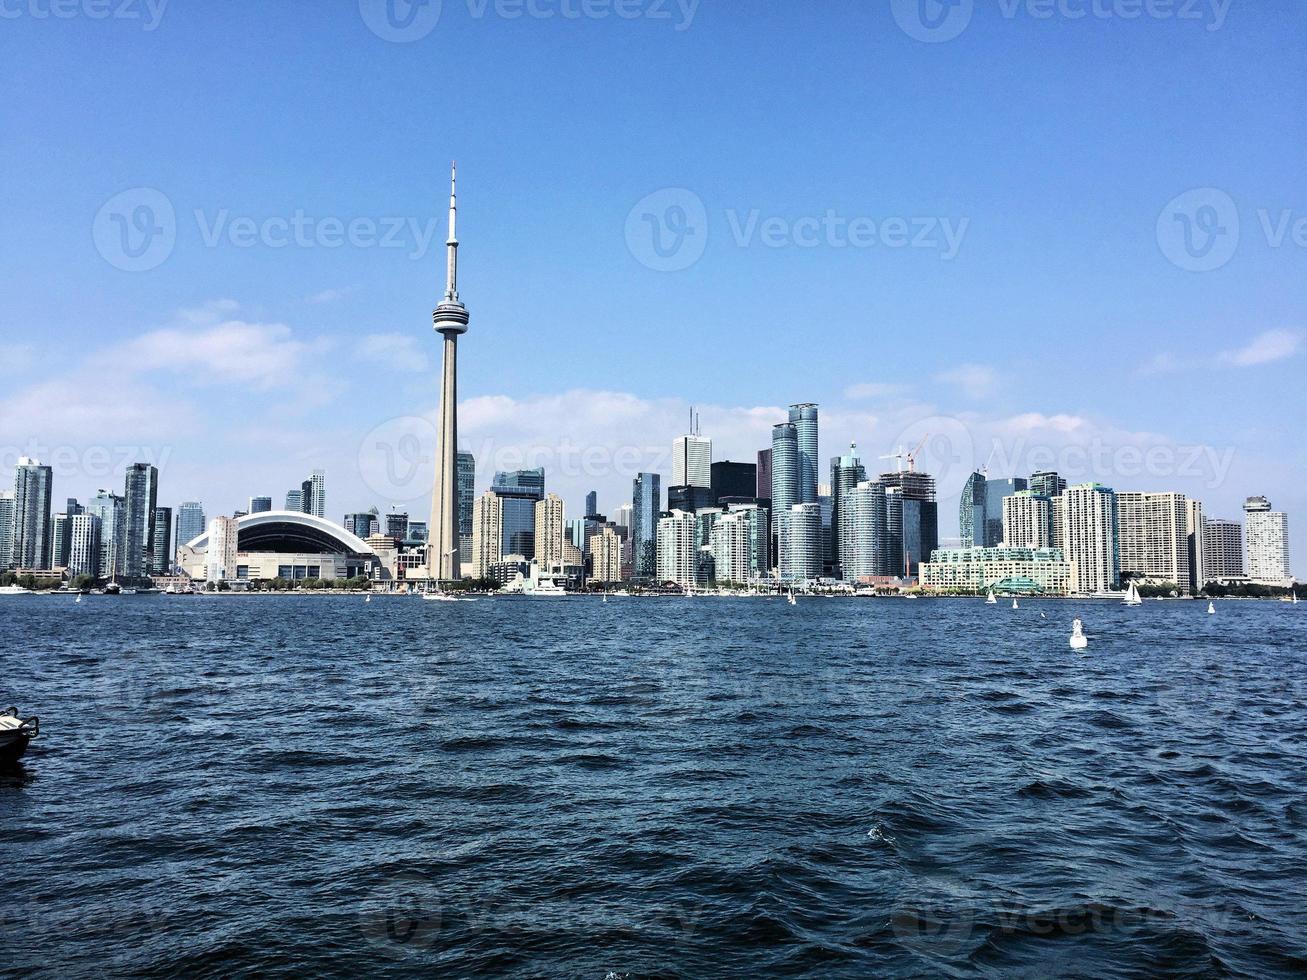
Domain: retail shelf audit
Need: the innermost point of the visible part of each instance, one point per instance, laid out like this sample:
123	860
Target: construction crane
911	457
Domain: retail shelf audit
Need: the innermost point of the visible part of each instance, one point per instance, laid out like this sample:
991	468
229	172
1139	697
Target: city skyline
1060	273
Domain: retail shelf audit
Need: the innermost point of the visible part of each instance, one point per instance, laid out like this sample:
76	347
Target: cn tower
450	320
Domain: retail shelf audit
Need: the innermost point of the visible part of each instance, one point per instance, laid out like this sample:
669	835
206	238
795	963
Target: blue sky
1018	284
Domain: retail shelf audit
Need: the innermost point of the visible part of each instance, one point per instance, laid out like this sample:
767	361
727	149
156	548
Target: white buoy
1078	639
1211	609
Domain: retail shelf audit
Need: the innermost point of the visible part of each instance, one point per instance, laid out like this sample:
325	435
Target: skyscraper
518	491
220	559
6	529
1046	483
622	516
1194	541
863	552
191	523
676	549
846	472
736	481
549	518
161	547
359	525
110	509
911	520
689	499
785	468
692	461
592	503
140	501
467	473
606	556
995	492
1091	537
84	547
1153	530
487	533
646	504
1027	521
260	505
1222	550
31	520
61	539
295	501
971	512
1266	542
804	419
763	491
800	542
450	320
397	526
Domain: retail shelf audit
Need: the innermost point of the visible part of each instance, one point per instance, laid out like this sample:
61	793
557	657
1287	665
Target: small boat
368	599
16	733
791	600
1078	639
438	597
1132	596
77	600
1015	605
112	588
1211	609
992	600
14	590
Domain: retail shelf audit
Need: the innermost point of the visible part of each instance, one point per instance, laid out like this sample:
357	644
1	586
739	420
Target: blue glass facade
519	490
784	467
804	419
646	503
995	491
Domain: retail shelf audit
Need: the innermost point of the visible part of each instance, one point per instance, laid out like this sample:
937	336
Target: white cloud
975	380
398	351
1265	348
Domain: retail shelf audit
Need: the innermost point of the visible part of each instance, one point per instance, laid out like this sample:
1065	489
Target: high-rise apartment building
191	522
466	472
549	520
260	505
84	545
295	501
995	492
1153	530
646	504
622	516
736	482
1222	550
592	504
140	501
677	549
161	547
865	532
314	494
1194	544
911	520
846	472
738	540
1046	483
800	532
1091	536
971	512
1266	542
606	556
487	533
61	539
110	508
519	490
6	529
1027	520
31	520
220	559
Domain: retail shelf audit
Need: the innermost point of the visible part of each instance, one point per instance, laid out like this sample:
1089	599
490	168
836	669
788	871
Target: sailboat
1014	604
791	600
992	600
368	599
1132	596
1211	609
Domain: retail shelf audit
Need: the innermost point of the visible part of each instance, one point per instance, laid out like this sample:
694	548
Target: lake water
309	785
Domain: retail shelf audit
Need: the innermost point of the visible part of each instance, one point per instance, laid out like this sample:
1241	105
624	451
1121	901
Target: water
290	786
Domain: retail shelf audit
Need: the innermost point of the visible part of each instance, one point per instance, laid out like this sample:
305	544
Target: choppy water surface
654	788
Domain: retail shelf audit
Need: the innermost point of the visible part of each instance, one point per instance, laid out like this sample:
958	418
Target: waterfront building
1027	520
260	505
83	545
1222	550
223	547
738	481
846	472
800	533
646	504
692	461
465	464
863	519
1092	537
677	550
804	419
6	529
161	543
140	502
31	516
450	319
1266	542
191	522
61	530
519	491
971	511
1055	533
738	540
109	508
1153	531
1194	544
606	556
549	519
487	533
1031	571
